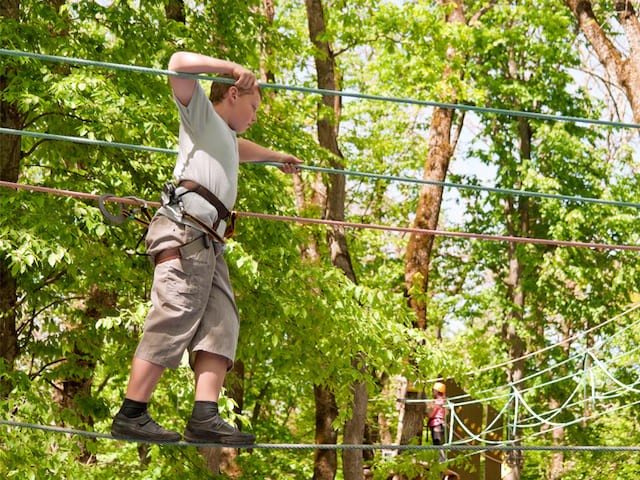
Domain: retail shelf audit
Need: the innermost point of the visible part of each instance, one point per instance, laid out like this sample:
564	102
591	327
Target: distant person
193	306
435	411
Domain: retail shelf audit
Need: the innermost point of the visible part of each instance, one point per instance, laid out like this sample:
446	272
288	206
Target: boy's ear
232	93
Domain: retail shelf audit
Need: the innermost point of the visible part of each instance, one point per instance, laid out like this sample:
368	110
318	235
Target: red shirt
436	414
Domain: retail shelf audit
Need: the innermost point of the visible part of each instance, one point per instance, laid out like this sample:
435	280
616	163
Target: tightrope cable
362	96
351	173
463	107
337	223
306	446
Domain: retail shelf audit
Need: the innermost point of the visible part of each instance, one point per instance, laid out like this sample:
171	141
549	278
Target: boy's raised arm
188	62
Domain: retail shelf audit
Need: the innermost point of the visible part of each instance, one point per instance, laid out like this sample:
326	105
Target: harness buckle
168	195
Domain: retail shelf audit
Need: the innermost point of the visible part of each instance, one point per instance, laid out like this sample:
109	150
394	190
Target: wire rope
633	307
130	200
351	173
479	437
362	96
544	418
306	446
516	396
628	309
611	377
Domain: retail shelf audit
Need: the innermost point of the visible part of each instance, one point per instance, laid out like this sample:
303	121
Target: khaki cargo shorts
192	300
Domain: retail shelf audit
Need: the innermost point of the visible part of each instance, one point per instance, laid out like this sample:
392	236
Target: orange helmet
440	387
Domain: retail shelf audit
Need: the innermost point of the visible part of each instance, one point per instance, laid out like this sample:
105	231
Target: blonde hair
220	89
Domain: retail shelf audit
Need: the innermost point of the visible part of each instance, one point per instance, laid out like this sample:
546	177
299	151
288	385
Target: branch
485	8
32	149
48	281
44	367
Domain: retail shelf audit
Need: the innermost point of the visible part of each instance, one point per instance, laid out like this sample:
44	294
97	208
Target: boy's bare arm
252	152
188	62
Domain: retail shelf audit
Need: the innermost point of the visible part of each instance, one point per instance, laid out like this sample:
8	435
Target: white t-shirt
207	154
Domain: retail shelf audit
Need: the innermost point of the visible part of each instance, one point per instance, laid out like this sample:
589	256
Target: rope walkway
543	418
363	96
337	223
629	309
351	173
515	394
306	446
596	374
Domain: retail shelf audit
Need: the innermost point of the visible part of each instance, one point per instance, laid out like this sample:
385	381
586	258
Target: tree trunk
557	436
328	126
517	225
354	428
223	459
174	10
427	214
328	137
10	156
325	462
82	361
266	75
625	71
556	470
428	211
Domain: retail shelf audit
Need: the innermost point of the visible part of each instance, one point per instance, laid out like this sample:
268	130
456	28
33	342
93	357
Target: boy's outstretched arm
188	62
252	152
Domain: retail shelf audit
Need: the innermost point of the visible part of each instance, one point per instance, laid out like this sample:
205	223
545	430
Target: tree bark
325	462
328	125
174	10
328	128
517	225
420	246
266	75
10	156
557	436
625	71
355	426
428	210
556	470
82	361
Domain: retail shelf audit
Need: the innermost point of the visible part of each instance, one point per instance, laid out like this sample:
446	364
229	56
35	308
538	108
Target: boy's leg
206	425
133	421
143	379
209	370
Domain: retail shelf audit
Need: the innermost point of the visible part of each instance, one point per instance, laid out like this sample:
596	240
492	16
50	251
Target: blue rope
424	103
503	191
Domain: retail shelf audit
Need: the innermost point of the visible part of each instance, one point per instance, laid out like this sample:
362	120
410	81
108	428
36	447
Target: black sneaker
215	430
143	428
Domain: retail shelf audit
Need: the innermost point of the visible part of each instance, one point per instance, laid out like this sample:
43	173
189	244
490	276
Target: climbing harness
170	198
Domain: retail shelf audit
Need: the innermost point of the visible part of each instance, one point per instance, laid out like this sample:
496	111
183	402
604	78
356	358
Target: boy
192	301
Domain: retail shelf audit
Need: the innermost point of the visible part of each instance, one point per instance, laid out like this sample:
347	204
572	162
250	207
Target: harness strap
213	234
183	251
190	185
